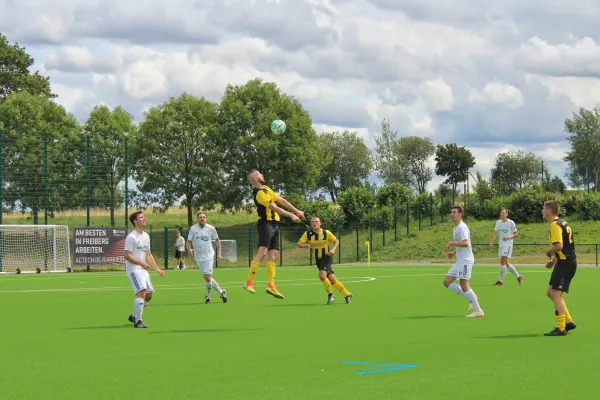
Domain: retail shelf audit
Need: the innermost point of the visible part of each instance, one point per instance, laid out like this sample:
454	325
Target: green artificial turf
66	336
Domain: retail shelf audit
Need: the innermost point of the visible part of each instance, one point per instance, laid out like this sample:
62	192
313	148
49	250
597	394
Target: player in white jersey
507	230
138	260
179	249
201	236
465	259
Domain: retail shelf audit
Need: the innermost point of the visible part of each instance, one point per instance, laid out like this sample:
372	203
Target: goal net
34	249
228	250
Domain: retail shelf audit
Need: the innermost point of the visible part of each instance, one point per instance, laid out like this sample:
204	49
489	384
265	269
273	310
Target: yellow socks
340	286
253	268
560	322
327	285
568	318
271	272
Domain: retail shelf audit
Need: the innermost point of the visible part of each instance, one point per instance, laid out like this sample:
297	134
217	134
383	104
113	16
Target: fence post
46	179
383	228
166	246
88	170
126	166
431	208
250	236
1	177
407	218
395	224
280	249
357	253
339	235
371	235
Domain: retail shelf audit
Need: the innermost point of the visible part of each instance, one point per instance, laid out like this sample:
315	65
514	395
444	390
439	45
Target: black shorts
324	264
563	272
268	235
178	253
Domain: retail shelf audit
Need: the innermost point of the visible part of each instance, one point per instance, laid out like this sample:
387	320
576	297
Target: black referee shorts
562	274
268	234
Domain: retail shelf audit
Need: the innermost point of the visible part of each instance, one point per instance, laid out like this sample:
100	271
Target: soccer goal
34	249
228	250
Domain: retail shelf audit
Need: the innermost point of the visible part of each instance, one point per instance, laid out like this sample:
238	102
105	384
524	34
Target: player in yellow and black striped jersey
318	240
268	208
564	260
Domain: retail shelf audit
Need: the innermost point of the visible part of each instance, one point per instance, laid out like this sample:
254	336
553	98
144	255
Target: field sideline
67	336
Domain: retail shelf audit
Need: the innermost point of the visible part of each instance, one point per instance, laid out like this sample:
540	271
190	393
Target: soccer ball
278	126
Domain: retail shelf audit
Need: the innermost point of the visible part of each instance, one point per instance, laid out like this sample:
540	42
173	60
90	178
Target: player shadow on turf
515	336
430	316
207	330
100	327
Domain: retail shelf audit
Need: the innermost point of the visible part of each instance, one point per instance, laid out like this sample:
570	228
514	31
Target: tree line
194	152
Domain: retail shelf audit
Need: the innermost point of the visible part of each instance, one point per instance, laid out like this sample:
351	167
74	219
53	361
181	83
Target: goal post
34	249
228	249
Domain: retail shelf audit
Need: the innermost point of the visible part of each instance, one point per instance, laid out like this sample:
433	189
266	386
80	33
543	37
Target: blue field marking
391	367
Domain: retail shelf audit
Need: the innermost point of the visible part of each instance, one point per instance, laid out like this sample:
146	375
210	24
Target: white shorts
461	271
505	251
140	280
206	267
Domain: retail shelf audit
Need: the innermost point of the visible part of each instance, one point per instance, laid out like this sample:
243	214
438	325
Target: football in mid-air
278	126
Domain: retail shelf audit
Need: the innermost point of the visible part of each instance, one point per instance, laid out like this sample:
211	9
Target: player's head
550	210
315	223
457	213
255	176
504	213
178	233
201	218
137	219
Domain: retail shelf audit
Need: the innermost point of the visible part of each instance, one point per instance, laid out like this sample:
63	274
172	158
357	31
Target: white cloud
488	76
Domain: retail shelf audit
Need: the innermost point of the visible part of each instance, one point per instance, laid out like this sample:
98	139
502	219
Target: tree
347	161
416	152
513	169
453	162
15	75
390	165
483	188
107	132
35	129
357	202
176	154
584	139
555	185
289	162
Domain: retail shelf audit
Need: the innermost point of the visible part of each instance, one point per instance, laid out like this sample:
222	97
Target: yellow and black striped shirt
319	241
560	232
263	197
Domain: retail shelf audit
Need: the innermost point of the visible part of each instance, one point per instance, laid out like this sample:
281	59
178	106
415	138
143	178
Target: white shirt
138	244
463	254
507	228
201	238
180	243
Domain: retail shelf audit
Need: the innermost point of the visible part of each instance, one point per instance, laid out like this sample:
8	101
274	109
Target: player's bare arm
218	242
554	248
283	212
334	247
190	249
152	262
509	237
461	243
129	257
290	206
303	245
493	239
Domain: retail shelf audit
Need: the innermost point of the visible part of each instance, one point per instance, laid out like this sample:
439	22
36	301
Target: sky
491	76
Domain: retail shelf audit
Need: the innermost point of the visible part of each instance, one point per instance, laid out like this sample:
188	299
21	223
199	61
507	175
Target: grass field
66	336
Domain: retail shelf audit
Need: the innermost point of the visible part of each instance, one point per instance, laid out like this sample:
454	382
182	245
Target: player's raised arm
290	206
283	212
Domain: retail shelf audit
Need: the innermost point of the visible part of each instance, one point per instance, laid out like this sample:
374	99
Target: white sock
138	309
513	271
470	294
208	287
455	287
215	286
502	272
